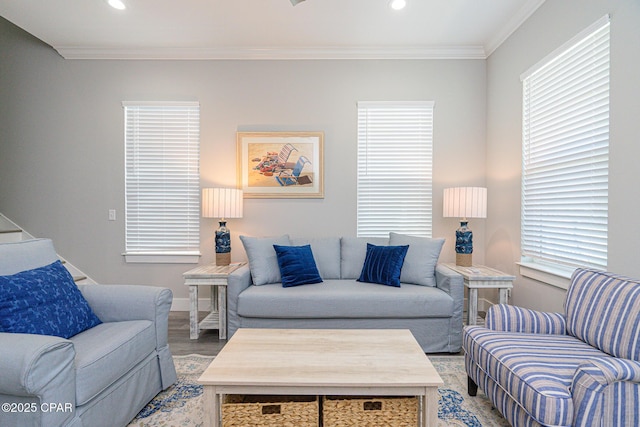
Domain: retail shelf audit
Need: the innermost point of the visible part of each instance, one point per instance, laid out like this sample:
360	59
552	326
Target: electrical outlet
112	214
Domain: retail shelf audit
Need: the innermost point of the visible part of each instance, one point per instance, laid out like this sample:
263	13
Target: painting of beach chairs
280	164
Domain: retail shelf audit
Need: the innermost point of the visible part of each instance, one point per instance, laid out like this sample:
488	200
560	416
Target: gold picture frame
278	165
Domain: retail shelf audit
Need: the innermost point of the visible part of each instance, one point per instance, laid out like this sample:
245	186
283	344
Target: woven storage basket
267	411
346	411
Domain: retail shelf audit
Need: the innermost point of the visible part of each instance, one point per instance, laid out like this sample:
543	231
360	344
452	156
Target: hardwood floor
179	342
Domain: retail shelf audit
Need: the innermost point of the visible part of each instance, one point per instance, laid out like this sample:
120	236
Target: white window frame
564	223
395	163
162	144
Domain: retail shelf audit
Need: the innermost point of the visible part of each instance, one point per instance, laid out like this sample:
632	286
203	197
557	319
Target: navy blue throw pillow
383	264
44	301
297	266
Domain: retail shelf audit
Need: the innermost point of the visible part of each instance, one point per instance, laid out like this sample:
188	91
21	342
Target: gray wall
554	23
61	142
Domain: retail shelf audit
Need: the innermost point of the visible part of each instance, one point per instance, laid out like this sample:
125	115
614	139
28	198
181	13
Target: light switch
112	214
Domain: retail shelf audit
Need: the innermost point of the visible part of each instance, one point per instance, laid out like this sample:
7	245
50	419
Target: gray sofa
431	310
100	377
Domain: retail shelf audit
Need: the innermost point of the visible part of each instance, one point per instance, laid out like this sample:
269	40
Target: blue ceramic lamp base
464	245
223	245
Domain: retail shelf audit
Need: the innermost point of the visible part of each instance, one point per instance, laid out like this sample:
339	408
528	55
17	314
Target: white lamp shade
221	203
465	202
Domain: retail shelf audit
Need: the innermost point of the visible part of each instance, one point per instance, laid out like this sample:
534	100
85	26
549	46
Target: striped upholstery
603	310
615	381
513	412
535	369
551	369
508	318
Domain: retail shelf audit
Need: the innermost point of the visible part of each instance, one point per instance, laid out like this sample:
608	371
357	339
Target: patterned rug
180	405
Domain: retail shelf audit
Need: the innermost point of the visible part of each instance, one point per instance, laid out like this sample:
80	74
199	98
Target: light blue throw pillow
326	253
420	263
44	301
353	251
263	262
297	266
383	264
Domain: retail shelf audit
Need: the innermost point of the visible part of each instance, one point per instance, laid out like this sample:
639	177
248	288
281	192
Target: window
565	156
162	188
394	168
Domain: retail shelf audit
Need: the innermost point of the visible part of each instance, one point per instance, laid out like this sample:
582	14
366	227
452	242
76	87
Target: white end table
481	277
216	277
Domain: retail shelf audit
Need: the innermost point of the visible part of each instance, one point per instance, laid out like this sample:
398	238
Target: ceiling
270	29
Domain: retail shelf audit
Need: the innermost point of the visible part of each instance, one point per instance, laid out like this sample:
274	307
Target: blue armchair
577	368
102	376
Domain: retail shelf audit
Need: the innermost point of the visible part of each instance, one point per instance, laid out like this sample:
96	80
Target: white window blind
395	148
565	154
162	187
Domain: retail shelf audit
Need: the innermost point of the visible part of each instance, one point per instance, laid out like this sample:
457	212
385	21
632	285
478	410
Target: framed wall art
280	164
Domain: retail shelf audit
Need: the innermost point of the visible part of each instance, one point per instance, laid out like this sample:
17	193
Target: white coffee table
322	362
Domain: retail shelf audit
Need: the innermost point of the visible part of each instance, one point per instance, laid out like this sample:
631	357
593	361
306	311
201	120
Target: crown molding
269	53
514	23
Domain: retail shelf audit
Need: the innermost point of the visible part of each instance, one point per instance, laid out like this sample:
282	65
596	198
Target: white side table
216	277
481	277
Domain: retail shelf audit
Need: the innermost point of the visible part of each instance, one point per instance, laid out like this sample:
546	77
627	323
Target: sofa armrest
509	318
453	284
237	282
605	392
450	282
37	371
114	303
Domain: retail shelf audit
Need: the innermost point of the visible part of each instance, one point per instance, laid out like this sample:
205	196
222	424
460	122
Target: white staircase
11	232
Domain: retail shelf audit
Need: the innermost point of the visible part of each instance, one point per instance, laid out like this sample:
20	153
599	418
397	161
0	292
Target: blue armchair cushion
603	310
297	265
44	301
537	368
383	264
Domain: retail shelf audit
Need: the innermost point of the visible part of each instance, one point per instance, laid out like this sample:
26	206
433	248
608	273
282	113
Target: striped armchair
579	368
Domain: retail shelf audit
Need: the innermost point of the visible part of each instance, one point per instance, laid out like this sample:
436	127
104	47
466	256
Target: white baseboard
182	304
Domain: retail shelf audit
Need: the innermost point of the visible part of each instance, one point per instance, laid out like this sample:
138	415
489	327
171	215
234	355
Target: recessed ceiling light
398	4
117	4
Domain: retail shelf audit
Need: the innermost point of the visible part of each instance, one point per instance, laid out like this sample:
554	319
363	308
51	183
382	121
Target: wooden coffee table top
322	358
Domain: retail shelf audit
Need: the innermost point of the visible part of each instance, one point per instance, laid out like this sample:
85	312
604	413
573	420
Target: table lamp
464	202
222	203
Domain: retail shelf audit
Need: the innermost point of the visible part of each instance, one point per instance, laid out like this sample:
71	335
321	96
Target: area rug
181	404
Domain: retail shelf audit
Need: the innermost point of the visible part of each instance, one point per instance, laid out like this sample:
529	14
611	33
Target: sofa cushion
263	262
420	263
599	308
107	352
326	252
26	255
353	251
44	301
382	265
297	266
537	369
343	299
